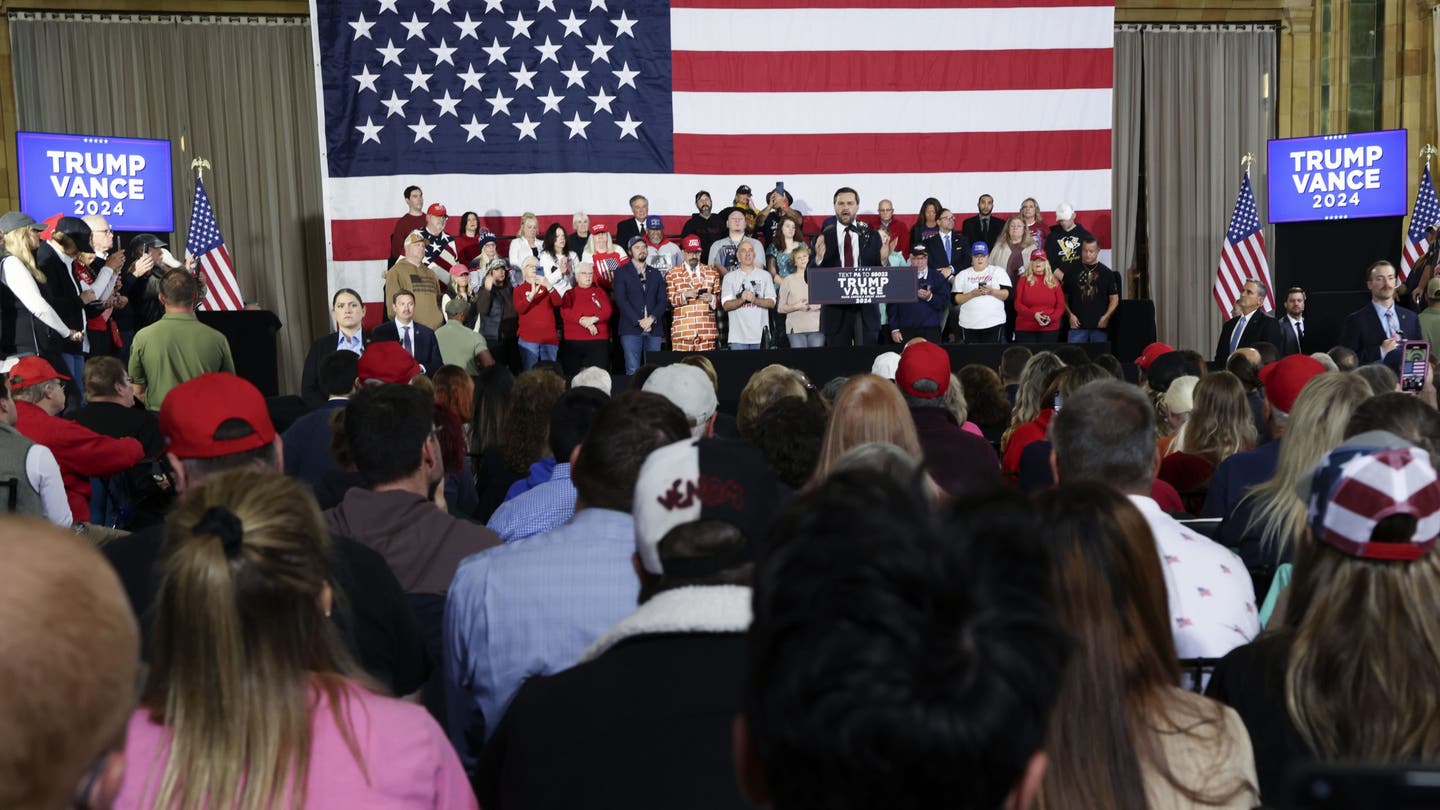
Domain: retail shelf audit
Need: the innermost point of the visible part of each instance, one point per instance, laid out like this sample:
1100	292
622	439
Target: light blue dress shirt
536	510
531	607
353	344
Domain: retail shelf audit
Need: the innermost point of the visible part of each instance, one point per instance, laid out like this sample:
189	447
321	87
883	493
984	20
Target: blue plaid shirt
531	607
536	510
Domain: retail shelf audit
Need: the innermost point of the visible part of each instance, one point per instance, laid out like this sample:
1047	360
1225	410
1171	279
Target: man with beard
848	243
692	288
704	223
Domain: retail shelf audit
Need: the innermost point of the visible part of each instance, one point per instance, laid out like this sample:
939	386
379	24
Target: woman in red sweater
585	312
1039	302
538	339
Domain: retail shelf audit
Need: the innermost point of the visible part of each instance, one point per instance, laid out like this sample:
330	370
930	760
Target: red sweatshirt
537	318
578	303
80	451
1032	297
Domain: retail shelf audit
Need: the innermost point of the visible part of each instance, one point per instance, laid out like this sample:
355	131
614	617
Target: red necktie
849	248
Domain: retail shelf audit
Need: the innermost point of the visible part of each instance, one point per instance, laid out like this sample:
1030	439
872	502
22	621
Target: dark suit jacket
310	389
59	288
632	299
1363	333
869	248
1261	328
959	256
627	229
1237	474
427	348
1290	342
971	228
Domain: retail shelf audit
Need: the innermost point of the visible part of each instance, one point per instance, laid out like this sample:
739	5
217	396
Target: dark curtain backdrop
238	91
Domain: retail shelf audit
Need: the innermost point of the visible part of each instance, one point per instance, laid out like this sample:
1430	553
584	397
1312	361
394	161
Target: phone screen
1415	359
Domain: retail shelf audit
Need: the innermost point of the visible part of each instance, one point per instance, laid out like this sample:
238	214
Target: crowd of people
738	278
450	584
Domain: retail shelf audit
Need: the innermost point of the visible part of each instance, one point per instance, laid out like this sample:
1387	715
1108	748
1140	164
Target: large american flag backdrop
554	106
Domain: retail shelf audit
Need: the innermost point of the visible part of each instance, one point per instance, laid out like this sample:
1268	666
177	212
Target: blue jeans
635	348
744	347
806	340
1087	336
532	353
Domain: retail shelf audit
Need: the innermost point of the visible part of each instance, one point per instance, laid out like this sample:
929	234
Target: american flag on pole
557	106
212	260
1242	255
1425	214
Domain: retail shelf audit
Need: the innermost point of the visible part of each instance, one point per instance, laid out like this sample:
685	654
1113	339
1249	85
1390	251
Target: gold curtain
238	91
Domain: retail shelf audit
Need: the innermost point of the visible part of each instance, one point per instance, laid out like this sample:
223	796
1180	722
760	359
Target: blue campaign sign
125	180
1361	174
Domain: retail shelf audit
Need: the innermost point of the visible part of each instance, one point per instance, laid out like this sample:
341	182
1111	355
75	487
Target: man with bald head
69	661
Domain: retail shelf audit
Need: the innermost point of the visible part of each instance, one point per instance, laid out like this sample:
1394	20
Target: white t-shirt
747	324
982	311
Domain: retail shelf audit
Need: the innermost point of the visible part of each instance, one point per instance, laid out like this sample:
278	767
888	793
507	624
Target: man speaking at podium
848	243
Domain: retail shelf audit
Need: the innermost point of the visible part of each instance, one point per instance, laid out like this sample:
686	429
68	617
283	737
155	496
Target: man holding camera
692	287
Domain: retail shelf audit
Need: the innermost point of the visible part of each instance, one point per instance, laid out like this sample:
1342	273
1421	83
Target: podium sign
863	285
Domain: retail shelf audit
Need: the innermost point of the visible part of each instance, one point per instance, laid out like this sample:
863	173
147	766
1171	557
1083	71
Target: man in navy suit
1380	326
416	338
949	249
849	243
1251	326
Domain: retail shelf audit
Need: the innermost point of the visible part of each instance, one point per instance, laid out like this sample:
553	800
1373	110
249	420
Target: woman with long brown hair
1346	670
927	224
1220	425
989	405
1123	734
1013	249
251	700
868	409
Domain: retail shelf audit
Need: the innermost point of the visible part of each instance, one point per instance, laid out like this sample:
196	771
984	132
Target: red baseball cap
1284	379
923	361
387	361
436	210
599	227
194	410
1039	255
1151	352
33	371
691	244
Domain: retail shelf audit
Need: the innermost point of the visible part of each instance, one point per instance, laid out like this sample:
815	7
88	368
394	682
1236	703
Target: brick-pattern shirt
693	327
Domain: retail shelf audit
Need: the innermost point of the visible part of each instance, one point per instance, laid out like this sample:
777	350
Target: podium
251	334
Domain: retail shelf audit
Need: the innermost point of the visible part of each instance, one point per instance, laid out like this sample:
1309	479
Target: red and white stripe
222	290
902	104
1411	256
1238	262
